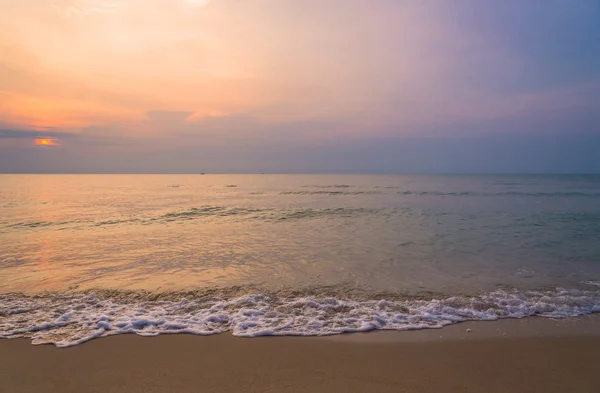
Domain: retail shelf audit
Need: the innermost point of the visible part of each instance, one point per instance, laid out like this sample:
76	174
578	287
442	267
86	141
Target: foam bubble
70	320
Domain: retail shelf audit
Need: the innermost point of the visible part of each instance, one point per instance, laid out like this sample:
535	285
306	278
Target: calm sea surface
450	235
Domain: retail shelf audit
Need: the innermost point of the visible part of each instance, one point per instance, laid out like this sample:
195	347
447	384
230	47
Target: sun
46	142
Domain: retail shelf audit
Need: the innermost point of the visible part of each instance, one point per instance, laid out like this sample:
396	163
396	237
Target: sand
532	355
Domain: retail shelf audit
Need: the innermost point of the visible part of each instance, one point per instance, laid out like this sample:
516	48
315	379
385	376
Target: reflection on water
161	233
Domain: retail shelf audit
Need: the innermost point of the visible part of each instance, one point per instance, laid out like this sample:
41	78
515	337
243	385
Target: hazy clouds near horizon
348	86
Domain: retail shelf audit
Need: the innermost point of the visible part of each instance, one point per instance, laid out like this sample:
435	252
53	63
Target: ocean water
83	256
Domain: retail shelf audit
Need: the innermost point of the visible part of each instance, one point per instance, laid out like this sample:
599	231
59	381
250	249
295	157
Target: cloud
107	136
32	134
165	116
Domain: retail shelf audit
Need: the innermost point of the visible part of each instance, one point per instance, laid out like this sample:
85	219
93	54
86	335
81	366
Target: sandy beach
530	355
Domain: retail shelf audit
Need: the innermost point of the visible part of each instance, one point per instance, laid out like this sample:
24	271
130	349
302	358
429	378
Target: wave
67	320
273	216
39	224
501	194
436	193
205	212
328	186
260	214
329	193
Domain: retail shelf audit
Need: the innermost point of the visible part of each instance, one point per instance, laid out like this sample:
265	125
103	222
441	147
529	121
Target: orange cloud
46	142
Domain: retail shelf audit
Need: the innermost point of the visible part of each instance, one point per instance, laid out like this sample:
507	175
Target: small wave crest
328	186
271	215
330	193
67	320
504	194
37	224
594	283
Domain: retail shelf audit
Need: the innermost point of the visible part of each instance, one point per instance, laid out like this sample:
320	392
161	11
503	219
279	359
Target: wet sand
531	355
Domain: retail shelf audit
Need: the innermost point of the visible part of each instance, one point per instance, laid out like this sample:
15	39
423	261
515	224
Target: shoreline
71	320
529	355
533	327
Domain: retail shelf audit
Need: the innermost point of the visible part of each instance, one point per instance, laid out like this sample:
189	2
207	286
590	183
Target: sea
85	256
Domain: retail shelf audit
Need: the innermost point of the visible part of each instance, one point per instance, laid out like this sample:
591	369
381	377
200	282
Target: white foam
71	320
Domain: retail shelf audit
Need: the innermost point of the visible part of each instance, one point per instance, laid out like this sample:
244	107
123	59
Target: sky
299	86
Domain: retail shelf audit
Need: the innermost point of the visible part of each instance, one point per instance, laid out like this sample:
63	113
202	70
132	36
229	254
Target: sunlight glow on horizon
52	142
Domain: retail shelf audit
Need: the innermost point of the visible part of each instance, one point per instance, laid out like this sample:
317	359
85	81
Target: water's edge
69	319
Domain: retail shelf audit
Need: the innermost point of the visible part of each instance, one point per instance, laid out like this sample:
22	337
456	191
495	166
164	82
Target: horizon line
312	173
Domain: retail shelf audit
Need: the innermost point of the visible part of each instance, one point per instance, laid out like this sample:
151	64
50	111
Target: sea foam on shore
67	320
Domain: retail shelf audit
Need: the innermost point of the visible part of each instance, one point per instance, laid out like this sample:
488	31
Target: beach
529	355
